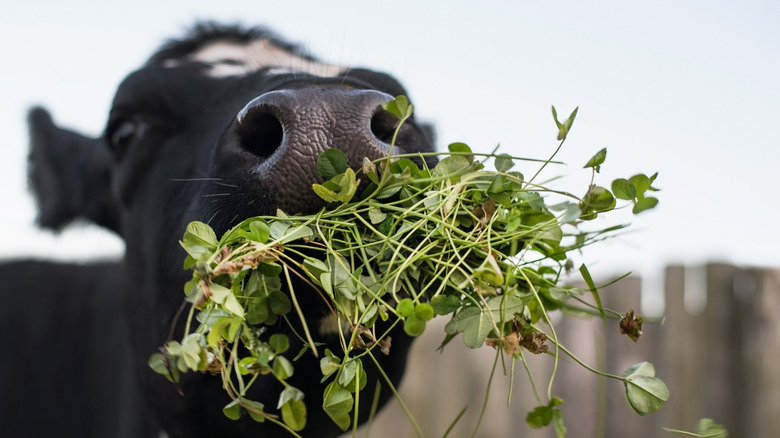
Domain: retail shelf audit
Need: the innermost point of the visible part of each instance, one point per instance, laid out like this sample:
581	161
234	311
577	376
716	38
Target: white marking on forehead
228	58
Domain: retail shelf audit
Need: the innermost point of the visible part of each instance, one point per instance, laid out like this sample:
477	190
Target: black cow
219	126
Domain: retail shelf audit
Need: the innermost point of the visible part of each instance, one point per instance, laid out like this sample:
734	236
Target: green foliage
565	127
645	393
486	247
705	428
541	416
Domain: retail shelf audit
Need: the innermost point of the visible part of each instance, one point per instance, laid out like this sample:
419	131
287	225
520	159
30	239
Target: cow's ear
70	175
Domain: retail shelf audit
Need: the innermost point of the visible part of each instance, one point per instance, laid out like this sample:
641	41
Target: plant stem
408	413
487	394
547	161
455	421
299	311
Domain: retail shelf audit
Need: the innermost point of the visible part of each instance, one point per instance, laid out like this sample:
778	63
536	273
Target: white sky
688	89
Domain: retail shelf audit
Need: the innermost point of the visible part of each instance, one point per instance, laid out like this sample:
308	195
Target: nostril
383	125
261	131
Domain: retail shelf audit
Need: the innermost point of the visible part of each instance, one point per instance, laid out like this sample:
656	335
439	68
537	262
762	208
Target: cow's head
222	125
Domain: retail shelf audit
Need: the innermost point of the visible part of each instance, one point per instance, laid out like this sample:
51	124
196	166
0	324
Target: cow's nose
288	129
304	122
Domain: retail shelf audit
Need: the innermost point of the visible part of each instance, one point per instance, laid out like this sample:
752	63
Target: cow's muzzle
288	129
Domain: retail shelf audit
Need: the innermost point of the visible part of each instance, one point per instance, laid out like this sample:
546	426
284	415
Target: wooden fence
718	350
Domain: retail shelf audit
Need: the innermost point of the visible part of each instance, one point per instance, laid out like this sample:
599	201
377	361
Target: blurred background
688	89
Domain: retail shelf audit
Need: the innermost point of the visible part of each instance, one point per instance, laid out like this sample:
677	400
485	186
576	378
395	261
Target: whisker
210	195
211	219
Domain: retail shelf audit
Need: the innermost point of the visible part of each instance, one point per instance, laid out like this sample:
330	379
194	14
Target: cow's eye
124	134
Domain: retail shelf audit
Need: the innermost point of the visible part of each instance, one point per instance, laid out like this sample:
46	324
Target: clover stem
546	162
406	410
299	311
487	394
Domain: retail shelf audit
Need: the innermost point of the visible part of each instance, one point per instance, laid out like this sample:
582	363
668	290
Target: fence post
758	293
681	351
721	347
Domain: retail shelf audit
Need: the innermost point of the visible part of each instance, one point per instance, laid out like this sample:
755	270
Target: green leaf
232	410
405	307
283	368
294	414
376	216
476	322
325	193
337	403
348	371
331	162
399	107
329	364
570	120
414	325
200	233
565	127
404	166
233	328
349	185
597	200
644	392
353	377
593	290
461	149
224	296
279	303
641	182
539	417
215	335
370	170
451	166
571	212
644	204
198	239
297	233
560	429
623	189
246	365
231	305
490	272
597	160
317	267
278	228
504	162
445	304
258	312
192	351
269	269
219	293
290	393
259	231
279	343
254	409
159	364
705	428
555	117
424	311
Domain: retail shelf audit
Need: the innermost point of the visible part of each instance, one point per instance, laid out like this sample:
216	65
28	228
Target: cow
220	125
